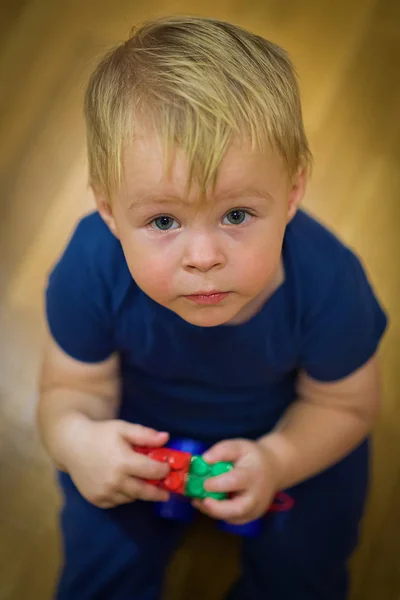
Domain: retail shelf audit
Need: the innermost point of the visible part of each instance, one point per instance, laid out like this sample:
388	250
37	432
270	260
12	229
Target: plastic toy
188	473
186	480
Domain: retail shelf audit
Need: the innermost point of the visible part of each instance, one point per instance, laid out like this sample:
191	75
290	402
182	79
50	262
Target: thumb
227	450
143	436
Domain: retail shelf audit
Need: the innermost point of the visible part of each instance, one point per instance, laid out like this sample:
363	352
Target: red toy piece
282	503
178	462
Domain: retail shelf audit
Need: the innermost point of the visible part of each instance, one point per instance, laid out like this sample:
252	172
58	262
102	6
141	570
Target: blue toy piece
186	445
179	508
251	529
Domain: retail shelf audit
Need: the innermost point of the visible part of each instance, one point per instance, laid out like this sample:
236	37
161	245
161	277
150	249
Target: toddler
200	301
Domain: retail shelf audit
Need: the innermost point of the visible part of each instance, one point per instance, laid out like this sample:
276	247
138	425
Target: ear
104	208
297	191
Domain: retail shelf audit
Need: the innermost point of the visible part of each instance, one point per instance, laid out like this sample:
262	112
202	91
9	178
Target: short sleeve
345	330
76	301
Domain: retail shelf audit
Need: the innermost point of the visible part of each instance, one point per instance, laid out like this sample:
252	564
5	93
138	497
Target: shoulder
94	239
319	262
93	260
327	278
85	289
338	316
316	253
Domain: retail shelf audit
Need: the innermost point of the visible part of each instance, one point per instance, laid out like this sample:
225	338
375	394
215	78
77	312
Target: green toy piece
199	472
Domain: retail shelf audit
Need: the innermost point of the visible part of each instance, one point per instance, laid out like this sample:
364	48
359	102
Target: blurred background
347	55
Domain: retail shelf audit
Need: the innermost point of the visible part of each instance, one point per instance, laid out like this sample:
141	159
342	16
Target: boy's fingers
140	465
228	450
115	500
233	481
151	493
225	510
143	436
121	498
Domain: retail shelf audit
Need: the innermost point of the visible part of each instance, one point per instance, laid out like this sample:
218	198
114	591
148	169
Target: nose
202	252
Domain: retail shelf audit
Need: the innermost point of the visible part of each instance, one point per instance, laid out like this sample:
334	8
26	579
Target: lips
209	298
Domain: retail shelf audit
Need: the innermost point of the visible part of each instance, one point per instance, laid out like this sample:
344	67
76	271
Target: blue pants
121	553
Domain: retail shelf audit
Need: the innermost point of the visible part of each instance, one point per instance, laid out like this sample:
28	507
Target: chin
207	317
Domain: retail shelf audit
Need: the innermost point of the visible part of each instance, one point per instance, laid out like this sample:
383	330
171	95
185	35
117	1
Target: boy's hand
251	484
106	469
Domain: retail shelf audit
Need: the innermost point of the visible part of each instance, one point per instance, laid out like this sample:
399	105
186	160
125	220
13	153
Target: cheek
257	272
259	260
151	269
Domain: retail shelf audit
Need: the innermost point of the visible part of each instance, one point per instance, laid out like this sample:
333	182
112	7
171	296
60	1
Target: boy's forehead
145	173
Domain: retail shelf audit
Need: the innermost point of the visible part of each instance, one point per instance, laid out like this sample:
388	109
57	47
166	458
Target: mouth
207	297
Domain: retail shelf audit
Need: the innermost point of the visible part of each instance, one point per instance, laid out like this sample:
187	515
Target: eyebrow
170	199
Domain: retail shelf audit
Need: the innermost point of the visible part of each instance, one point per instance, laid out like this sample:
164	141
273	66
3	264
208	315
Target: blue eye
236	217
164	223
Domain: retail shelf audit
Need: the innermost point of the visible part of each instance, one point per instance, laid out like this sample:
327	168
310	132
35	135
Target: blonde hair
200	83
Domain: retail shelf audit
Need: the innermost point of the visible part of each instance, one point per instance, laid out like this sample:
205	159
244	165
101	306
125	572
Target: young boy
198	301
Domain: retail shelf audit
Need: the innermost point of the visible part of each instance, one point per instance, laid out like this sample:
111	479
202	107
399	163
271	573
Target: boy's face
214	259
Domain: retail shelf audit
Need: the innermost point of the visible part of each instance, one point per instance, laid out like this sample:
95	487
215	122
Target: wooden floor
347	54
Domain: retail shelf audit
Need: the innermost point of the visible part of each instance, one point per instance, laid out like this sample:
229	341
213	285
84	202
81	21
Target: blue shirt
224	381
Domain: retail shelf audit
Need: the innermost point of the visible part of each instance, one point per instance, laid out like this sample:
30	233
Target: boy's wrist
66	436
281	453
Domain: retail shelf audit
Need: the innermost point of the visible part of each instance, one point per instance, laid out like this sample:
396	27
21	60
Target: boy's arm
76	418
326	422
71	394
